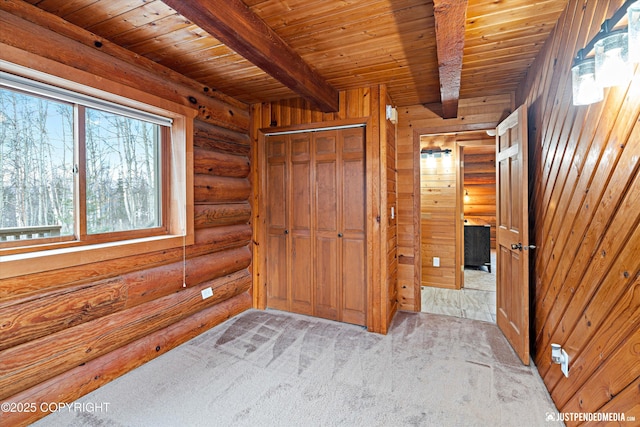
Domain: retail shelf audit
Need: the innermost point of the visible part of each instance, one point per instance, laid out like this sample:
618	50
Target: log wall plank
28	364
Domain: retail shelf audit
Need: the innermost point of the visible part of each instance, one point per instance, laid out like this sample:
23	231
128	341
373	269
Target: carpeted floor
268	368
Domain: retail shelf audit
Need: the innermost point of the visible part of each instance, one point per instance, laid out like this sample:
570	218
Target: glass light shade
612	65
585	89
633	14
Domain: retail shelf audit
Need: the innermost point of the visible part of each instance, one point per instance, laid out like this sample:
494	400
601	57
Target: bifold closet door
289	246
316	242
340	286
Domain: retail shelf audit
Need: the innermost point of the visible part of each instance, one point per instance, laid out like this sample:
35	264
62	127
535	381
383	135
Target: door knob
286	231
519	246
339	234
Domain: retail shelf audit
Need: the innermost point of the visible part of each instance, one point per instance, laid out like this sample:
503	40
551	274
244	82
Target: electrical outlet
436	261
206	293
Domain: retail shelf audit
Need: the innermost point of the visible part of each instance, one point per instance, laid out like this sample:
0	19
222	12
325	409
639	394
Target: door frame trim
375	318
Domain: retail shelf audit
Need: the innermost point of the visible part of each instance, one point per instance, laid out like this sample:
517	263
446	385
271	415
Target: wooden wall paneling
85	378
595	213
600	350
625	402
607	254
555	227
391	204
376	215
586	210
439	195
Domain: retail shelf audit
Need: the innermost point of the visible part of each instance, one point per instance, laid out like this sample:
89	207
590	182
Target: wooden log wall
438	213
473	114
480	187
585	203
66	332
362	105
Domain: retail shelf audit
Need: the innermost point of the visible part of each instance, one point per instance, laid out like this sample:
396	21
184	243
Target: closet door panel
301	275
353	196
277	293
300	224
326	198
276	260
326	289
353	281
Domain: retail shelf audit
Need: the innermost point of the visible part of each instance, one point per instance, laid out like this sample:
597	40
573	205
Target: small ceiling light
633	15
612	51
585	89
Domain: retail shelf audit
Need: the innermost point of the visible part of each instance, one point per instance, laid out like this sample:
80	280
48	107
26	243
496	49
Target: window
89	170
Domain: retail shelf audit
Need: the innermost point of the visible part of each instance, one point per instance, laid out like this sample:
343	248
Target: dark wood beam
235	25
450	16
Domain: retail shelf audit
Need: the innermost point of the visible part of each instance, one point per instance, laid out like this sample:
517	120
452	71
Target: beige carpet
268	368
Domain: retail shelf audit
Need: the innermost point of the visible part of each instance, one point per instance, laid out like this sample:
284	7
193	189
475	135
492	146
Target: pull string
184	260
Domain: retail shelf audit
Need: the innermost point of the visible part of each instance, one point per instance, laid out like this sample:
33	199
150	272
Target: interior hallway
476	300
271	368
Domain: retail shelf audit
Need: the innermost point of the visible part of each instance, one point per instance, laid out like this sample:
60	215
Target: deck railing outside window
19	233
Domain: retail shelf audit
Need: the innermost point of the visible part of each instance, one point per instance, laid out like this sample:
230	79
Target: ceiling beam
235	25
450	16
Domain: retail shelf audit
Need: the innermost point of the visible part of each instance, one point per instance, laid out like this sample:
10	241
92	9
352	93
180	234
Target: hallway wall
585	220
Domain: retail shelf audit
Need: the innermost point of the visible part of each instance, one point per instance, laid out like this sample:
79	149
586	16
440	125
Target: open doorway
479	237
457	219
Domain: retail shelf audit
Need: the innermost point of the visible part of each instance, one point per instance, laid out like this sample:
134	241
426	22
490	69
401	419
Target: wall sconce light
612	58
610	65
426	153
466	196
585	89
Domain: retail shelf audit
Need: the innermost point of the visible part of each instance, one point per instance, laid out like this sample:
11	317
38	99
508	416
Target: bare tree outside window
36	163
38	166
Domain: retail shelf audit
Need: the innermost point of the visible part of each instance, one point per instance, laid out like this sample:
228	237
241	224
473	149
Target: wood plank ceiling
350	43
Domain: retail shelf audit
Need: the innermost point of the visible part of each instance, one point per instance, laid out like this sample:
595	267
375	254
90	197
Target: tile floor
468	303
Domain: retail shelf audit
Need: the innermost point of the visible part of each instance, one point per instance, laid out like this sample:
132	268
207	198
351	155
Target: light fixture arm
605	29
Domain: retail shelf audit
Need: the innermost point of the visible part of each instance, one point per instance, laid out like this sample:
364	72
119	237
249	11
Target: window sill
54	259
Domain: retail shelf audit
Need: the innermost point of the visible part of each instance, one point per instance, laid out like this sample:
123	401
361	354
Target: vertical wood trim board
585	212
